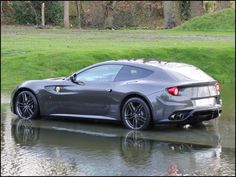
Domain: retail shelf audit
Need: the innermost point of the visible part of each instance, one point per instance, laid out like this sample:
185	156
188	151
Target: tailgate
196	91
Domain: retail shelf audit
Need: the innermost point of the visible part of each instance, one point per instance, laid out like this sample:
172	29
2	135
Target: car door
90	93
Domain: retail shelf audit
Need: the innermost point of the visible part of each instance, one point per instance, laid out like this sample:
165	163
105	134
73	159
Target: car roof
176	70
149	64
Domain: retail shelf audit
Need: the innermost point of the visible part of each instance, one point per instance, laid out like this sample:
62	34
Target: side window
103	73
130	73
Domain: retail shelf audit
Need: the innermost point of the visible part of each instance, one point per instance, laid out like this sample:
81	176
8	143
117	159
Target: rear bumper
192	115
168	109
196	115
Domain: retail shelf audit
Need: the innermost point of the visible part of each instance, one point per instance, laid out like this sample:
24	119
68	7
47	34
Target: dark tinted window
130	73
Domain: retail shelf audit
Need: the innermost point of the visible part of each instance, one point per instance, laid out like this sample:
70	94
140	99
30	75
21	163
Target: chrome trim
84	116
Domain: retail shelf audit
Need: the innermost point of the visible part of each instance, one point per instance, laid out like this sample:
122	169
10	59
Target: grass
28	53
223	20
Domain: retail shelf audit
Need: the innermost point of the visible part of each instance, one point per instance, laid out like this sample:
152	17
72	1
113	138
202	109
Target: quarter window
131	72
103	73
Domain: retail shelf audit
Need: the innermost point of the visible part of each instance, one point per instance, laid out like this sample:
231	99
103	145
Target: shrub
29	12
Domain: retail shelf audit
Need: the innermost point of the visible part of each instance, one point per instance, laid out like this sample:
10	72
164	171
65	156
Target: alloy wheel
25	105
136	114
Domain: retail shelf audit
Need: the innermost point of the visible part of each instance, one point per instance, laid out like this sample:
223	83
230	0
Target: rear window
190	73
131	73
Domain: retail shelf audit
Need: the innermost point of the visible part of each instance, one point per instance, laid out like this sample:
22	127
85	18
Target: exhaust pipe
177	116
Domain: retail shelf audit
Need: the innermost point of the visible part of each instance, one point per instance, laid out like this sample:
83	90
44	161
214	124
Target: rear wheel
26	105
136	114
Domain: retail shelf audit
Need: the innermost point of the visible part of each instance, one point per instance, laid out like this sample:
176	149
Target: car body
167	92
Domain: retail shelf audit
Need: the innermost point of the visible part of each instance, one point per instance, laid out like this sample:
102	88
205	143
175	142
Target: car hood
56	78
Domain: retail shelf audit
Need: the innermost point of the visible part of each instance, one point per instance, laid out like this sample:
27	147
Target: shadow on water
45	131
135	148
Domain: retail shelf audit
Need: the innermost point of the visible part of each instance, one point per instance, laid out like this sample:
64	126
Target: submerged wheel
26	105
136	114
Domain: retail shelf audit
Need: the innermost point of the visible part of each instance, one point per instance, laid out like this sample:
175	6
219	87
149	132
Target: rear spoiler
197	84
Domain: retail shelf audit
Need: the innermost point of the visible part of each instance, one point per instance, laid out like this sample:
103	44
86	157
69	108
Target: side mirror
73	77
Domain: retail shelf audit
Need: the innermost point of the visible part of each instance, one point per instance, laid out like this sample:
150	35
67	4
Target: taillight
173	91
218	86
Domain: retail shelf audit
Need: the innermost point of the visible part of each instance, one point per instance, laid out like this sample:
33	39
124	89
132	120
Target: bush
29	12
23	13
223	20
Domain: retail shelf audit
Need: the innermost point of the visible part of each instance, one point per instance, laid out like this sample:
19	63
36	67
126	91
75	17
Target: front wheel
136	114
26	105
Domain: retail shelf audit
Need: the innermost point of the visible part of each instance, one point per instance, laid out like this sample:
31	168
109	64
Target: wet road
76	147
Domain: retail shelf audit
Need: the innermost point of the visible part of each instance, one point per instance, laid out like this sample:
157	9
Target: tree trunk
172	16
1	10
196	8
78	14
222	5
66	14
43	14
108	13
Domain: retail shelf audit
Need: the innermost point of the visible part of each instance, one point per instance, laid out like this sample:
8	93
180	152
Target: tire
26	105
136	114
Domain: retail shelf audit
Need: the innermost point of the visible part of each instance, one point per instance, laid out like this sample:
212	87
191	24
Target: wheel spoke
31	111
30	102
127	117
24	97
139	107
27	113
23	111
134	125
20	104
140	119
131	107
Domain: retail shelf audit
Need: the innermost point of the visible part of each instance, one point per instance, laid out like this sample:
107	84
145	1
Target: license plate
205	102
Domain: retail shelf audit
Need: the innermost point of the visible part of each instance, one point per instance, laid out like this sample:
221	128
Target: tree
66	14
222	5
196	8
1	9
34	11
172	15
78	4
108	7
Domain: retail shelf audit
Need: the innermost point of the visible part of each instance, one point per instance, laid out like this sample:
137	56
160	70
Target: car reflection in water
85	142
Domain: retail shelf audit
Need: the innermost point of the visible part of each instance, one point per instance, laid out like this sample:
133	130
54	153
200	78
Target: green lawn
28	53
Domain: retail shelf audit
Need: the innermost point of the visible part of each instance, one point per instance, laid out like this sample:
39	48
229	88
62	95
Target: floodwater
76	147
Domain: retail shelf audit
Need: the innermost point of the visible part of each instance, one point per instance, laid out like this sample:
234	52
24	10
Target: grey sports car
138	93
